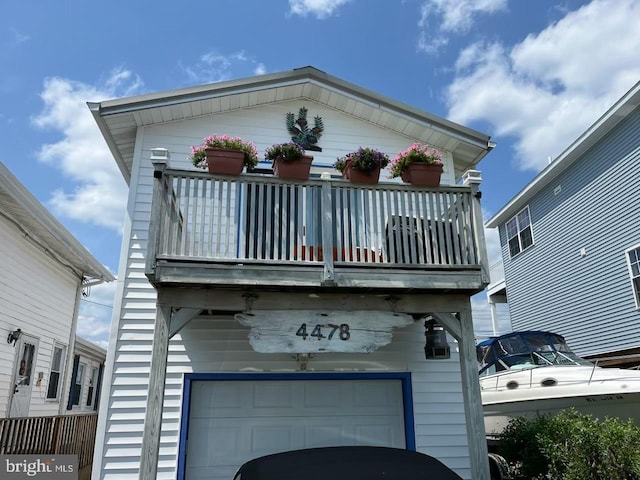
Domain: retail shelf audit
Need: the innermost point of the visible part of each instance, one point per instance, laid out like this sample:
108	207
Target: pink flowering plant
416	153
289	152
199	154
364	159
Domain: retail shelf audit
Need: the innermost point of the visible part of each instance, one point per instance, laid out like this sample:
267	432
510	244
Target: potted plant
224	154
419	165
289	160
362	166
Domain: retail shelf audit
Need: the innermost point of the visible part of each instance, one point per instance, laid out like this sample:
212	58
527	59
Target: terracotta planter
295	170
224	161
358	176
422	174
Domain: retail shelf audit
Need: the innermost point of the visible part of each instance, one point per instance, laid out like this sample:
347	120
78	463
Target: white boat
535	372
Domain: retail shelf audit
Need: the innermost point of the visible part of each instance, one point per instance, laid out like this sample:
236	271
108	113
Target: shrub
571	446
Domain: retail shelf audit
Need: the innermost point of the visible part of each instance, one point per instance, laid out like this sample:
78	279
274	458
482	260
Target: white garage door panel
231	422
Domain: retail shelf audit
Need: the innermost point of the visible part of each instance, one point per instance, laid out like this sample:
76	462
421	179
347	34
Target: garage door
233	421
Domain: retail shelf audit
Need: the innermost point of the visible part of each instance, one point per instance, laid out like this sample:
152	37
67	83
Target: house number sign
310	331
317	331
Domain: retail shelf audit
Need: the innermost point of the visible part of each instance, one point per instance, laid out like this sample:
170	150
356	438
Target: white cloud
216	67
82	155
94	317
441	18
552	85
260	69
320	8
19	38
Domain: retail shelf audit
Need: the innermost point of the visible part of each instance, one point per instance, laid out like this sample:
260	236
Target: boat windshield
520	350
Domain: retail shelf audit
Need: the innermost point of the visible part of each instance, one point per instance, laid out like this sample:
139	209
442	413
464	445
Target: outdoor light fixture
436	346
14	336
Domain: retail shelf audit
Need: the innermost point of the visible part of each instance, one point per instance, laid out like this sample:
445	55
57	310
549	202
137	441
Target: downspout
70	352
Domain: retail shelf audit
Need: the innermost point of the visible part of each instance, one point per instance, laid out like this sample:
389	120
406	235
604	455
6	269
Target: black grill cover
346	463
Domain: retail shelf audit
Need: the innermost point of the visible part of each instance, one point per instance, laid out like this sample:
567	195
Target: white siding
205	346
37	295
266	126
221	345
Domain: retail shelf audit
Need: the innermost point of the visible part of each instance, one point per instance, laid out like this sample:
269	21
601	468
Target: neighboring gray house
210	362
571	241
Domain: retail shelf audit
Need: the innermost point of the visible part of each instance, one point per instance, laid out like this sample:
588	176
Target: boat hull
600	392
624	406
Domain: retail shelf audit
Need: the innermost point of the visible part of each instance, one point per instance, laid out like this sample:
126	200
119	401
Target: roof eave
96	111
619	111
72	251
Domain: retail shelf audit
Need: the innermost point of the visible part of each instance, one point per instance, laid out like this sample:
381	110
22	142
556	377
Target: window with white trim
93	380
519	232
633	257
57	365
77	384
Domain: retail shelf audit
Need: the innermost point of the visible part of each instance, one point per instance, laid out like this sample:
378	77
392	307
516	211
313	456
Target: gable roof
119	119
618	112
20	207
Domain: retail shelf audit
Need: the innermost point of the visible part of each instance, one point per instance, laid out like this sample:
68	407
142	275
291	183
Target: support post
462	330
160	160
155	395
473	178
328	278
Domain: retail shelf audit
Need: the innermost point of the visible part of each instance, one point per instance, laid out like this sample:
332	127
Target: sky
531	74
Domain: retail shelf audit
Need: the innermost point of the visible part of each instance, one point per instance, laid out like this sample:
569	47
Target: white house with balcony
233	337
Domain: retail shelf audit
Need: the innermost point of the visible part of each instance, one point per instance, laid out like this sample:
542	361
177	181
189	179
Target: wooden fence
59	435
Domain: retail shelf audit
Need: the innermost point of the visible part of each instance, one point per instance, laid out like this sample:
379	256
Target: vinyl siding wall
588	299
37	295
206	345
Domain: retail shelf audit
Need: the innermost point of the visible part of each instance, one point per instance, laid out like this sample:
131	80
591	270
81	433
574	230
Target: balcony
260	232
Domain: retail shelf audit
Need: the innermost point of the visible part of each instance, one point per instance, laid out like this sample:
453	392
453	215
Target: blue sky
532	74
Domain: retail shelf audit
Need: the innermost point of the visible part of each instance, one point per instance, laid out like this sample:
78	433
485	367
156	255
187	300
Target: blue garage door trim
189	378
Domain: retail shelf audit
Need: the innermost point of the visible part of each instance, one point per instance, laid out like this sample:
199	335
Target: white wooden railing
496	272
260	218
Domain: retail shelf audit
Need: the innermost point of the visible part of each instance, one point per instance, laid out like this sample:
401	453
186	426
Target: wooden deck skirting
55	435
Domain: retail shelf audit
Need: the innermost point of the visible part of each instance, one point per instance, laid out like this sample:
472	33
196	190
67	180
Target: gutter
96	111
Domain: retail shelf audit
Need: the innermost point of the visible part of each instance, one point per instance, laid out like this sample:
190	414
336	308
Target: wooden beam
157	210
180	318
155	396
451	323
291	276
236	301
474	415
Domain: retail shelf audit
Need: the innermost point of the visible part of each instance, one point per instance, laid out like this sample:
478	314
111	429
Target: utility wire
96	303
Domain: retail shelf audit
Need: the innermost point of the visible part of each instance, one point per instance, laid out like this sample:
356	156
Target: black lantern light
436	346
14	336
